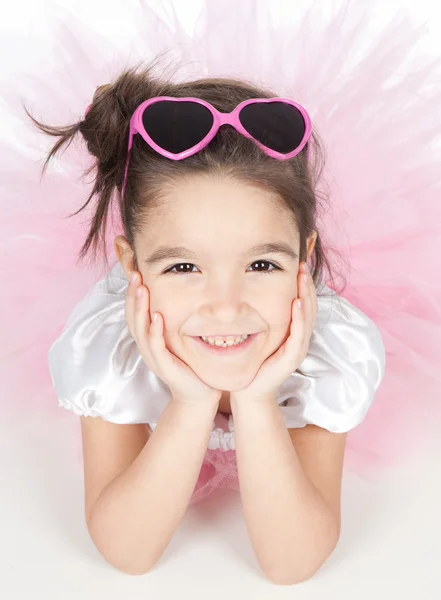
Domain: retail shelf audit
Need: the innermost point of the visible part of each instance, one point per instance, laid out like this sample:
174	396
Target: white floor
390	544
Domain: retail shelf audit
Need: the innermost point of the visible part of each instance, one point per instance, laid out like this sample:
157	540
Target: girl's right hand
185	386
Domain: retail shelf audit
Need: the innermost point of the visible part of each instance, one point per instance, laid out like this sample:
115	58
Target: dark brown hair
292	183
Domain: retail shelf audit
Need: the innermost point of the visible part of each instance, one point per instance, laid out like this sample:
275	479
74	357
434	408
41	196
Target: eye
171	269
175	269
266	262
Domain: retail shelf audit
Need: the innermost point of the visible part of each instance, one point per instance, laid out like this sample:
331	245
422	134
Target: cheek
279	303
280	314
281	321
172	311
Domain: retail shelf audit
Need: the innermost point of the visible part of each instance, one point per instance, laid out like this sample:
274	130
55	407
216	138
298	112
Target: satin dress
97	370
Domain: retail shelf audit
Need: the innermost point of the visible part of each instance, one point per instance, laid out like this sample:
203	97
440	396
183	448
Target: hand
275	370
185	386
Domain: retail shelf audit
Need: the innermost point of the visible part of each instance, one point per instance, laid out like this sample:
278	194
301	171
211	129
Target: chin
227	382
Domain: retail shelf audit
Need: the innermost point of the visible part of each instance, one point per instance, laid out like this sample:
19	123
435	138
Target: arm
133	517
292	528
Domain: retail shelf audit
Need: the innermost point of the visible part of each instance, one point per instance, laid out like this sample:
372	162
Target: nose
224	301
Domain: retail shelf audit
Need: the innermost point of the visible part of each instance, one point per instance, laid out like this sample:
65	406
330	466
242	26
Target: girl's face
205	277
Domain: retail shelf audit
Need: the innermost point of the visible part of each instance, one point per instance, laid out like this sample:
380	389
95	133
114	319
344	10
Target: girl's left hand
277	368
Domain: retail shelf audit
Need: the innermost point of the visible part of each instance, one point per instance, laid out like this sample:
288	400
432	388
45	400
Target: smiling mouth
219	345
227	340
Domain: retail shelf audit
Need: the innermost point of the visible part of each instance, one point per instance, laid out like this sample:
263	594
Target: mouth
233	346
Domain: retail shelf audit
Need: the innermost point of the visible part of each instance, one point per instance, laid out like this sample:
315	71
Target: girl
213	354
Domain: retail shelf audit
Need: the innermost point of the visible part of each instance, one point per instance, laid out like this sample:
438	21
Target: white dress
97	370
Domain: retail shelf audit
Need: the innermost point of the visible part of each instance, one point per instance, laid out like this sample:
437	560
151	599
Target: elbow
292	575
114	552
289	577
124	562
130	569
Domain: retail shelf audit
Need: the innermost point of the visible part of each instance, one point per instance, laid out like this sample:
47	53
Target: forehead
210	212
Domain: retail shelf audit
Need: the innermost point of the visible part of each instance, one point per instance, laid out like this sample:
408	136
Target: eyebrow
169	252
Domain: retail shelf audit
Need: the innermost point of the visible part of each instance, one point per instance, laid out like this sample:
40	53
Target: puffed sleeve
95	365
341	373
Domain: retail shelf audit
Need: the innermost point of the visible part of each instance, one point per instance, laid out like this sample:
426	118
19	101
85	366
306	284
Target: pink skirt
218	471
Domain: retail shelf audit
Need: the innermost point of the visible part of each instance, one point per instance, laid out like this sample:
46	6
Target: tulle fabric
218	472
219	467
378	115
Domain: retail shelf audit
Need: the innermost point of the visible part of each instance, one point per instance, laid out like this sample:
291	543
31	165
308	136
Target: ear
125	254
311	242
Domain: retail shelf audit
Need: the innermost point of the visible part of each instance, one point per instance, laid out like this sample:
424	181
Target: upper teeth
229	341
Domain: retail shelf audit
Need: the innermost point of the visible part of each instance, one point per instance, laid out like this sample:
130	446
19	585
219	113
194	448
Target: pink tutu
218	471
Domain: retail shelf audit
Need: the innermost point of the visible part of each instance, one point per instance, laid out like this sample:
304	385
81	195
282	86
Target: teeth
225	343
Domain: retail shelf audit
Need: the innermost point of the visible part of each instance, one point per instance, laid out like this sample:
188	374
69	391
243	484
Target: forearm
136	515
291	527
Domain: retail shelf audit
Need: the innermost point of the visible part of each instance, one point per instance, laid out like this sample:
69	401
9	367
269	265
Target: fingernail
138	292
133	277
304	267
299	303
155	317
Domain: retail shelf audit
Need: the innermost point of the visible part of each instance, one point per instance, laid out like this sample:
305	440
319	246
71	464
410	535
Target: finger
289	356
142	324
314	302
298	324
303	294
156	337
130	304
291	351
304	336
312	294
309	301
307	293
134	283
162	357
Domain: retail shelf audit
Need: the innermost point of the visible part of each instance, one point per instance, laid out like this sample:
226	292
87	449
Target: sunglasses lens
177	126
277	125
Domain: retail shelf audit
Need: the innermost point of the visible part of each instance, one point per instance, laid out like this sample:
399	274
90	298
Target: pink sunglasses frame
219	118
